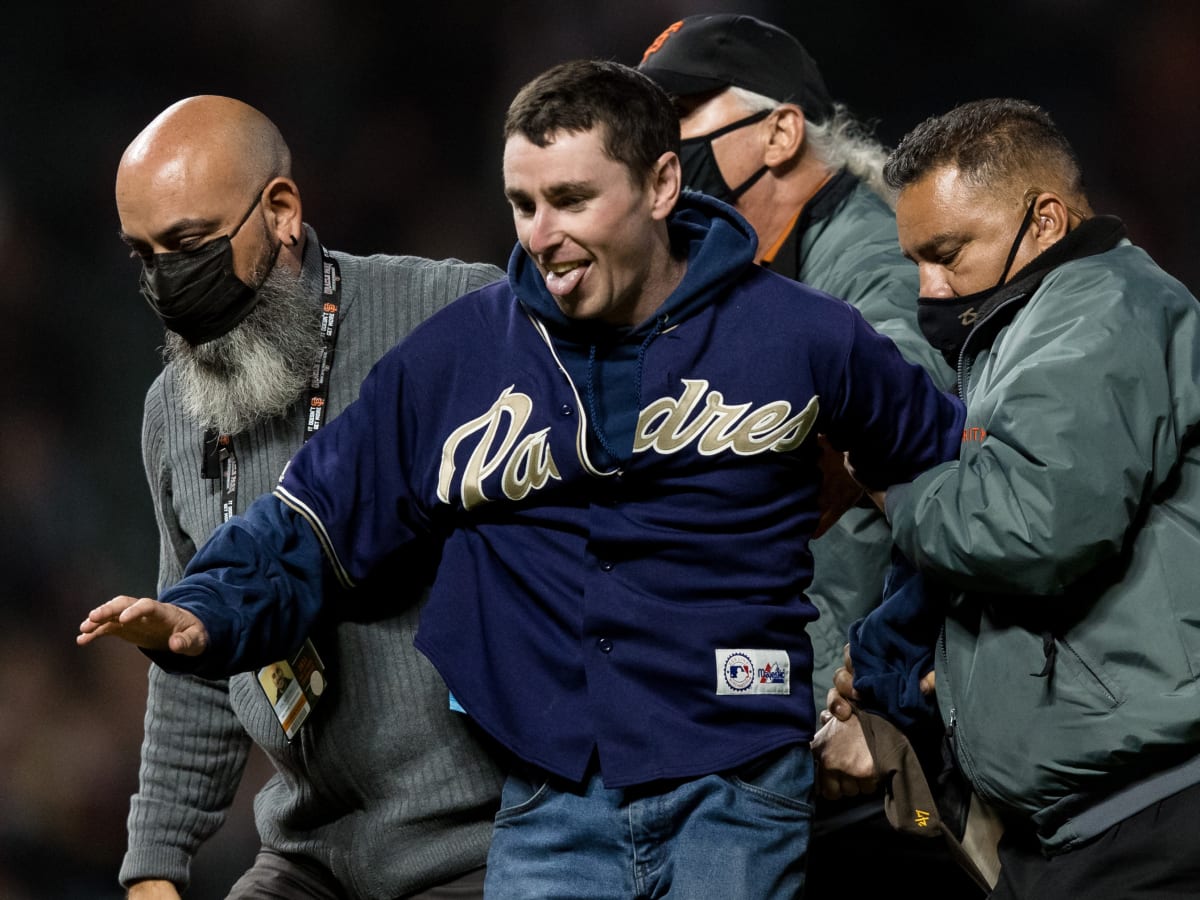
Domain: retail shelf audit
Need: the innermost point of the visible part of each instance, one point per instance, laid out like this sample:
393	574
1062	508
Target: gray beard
259	369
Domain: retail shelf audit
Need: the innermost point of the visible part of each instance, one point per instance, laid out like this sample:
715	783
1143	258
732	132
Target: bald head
206	143
195	170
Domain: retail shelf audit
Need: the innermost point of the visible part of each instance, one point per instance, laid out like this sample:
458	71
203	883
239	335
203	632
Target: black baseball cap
710	52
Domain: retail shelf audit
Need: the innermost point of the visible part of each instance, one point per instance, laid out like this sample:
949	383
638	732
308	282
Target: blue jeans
741	835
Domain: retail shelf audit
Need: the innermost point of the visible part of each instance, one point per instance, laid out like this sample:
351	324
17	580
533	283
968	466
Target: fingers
849	467
146	623
927	684
837	705
843	683
841	697
104	619
192	641
139	610
836	785
832	780
107	612
845	767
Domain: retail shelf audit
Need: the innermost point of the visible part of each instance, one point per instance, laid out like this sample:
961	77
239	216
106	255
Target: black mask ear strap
1016	245
736	192
734	126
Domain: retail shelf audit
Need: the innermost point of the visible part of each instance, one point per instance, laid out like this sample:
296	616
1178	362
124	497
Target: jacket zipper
960	372
957	747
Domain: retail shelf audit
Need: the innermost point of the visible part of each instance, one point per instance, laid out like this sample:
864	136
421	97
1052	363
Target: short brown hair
640	122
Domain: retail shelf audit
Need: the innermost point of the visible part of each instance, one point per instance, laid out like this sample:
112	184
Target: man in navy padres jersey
612	456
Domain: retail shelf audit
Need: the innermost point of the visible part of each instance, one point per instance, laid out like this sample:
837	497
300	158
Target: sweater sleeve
193	755
194	749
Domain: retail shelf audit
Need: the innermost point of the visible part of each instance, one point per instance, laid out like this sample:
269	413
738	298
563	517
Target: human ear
281	201
1051	219
666	181
785	137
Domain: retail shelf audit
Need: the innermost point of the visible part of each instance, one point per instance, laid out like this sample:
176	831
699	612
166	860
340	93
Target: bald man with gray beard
381	790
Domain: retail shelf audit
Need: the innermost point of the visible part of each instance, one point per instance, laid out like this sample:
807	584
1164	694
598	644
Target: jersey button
605	645
606	566
564	410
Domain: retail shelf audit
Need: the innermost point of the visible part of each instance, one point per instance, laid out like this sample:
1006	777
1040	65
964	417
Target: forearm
256	586
991	529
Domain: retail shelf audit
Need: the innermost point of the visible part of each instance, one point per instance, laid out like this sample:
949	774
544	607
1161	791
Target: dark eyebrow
183	226
569	188
556	191
931	245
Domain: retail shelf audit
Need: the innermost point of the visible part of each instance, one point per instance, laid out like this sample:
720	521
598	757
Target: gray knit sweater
384	785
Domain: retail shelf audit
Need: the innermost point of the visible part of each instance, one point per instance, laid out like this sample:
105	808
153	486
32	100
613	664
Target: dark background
393	113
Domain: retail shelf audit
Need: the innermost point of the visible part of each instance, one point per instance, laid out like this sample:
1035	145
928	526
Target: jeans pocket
521	794
783	778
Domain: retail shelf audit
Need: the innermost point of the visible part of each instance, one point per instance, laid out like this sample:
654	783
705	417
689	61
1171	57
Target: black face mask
700	169
946	323
195	292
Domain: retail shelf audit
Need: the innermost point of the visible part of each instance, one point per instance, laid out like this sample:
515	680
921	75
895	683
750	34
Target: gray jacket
1069	529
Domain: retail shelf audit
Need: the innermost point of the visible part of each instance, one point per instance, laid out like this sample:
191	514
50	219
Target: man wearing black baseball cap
760	131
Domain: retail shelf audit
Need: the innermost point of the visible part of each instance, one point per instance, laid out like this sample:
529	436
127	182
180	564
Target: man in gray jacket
1065	537
381	791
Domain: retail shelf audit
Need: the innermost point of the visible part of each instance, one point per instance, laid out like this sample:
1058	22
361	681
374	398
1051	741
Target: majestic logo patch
741	671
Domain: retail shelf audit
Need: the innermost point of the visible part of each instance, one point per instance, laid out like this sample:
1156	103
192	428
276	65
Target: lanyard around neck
219	459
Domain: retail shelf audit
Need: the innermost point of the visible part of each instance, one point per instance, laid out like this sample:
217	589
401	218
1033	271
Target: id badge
293	687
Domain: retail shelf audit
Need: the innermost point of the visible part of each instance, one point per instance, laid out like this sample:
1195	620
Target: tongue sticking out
561	284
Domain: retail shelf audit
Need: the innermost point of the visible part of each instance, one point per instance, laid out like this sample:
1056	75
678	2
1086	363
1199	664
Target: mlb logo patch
742	671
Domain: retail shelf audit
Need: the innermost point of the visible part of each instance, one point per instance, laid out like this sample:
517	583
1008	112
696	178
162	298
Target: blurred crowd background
393	113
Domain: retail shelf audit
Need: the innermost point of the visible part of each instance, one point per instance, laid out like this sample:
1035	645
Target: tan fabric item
910	806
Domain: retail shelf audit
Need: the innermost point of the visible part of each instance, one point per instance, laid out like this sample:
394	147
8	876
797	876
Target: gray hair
841	142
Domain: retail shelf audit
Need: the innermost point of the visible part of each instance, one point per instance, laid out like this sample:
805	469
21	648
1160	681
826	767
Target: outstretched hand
146	623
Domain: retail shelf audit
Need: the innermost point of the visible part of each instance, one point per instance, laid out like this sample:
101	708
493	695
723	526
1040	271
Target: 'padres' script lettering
664	425
527	463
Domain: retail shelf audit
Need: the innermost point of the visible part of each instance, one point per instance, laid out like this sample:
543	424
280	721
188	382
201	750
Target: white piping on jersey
305	511
581	431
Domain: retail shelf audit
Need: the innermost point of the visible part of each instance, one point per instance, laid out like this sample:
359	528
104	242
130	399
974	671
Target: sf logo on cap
661	39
